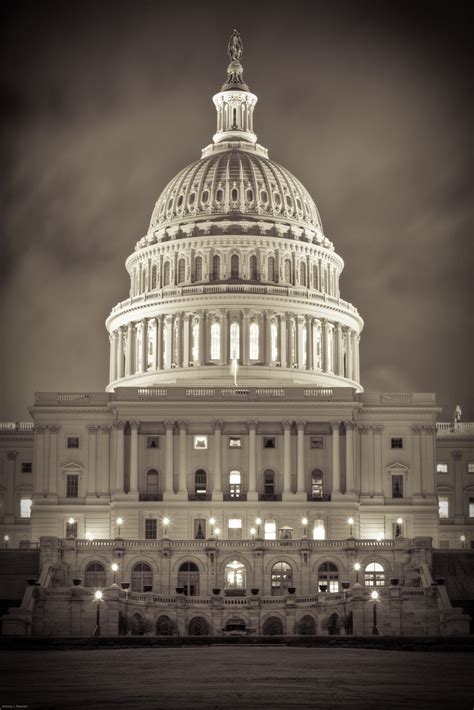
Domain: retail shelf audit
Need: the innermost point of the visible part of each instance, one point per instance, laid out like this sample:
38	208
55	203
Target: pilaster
252	494
217	494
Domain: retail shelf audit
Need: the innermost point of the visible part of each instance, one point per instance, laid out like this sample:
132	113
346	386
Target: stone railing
16	426
400	399
455	429
244	544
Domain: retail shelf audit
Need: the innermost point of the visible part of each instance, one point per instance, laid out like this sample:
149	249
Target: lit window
443	506
153	442
317	484
235	479
195	345
235	442
442	468
328	576
73	442
200	483
397	486
234	529
234	341
253	338
150	528
235	577
374	575
319	530
71	529
215	341
470	467
282	578
200	442
269	529
396	442
471	507
25	508
274	341
26	467
72	485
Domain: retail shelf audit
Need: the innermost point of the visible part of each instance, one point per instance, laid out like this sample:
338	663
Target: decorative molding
218	426
349	426
415	429
105	428
119	425
252	425
54	428
134	425
300	425
182	425
378	429
363	429
169	425
287	425
430	429
335	426
93	429
40	429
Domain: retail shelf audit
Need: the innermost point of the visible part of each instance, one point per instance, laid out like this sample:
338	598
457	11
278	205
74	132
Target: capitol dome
234	274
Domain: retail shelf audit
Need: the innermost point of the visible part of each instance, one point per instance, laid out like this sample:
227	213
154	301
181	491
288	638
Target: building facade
234	472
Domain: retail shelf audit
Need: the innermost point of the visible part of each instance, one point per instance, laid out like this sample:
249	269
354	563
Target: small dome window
234	194
205	197
298	204
288	201
249	195
277	198
170	203
219	195
264	196
180	200
192	198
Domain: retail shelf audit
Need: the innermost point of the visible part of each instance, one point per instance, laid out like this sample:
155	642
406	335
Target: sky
367	103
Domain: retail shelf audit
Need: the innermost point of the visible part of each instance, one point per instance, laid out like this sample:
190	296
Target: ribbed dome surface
235	182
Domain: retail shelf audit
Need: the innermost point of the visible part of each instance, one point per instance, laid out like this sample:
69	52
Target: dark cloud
368	103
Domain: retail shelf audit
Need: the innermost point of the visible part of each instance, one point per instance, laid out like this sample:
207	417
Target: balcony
150	496
237	498
269	496
199	496
325	498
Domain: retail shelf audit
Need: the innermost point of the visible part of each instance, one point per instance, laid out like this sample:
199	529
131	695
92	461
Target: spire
235	103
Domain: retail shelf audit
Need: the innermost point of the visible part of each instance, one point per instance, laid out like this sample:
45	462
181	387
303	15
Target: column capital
93	429
300	425
287	425
119	425
134	425
457	455
11	455
363	429
218	426
377	429
349	426
415	429
40	429
169	425
335	426
252	425
182	425
105	428
54	428
430	429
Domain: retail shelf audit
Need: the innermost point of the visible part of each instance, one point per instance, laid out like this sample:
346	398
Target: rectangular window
444	544
471	507
235	442
200	442
317	442
396	442
234	529
470	467
73	442
27	467
319	530
269	442
71	529
397	486
199	529
25	508
150	528
269	529
443	506
200	483
153	442
72	485
441	468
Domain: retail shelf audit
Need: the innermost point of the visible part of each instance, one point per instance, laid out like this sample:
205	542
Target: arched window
319	530
273	626
216	268
181	271
200	483
95	575
235	481
165	626
269	483
253	341
271	268
166	274
274	342
215	341
304	340
287	271
234	266
306	626
315	277
152	483
328	576
302	273
137	625
374	575
234	341
317	354
316	484
198	269
235	576
195	342
253	268
188	579
142	578
282	578
143	281
198	626
153	277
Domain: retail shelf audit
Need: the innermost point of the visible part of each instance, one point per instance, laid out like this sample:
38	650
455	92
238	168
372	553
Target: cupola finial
235	70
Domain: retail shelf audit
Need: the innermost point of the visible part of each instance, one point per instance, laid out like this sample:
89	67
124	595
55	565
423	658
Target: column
119	458
429	455
183	466
179	340
324	344
350	354
283	341
104	459
416	439
286	457
92	461
244	334
38	463
143	346
202	338
299	340
356	357
378	460
217	489
120	354
252	489
10	498
267	353
458	490
113	356
224	337
309	343
339	351
336	471
364	460
186	340
134	426
349	426
300	487
129	351
53	459
168	356
169	457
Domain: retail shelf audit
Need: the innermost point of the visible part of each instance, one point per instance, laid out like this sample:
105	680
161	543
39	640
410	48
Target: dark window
153	442
234	267
73	442
198	269
153	277
396	442
188	579
397	486
200	529
269	482
216	268
181	271
26	467
152	482
150	528
166	274
71	529
95	575
269	442
271	268
72	485
142	578
317	442
253	268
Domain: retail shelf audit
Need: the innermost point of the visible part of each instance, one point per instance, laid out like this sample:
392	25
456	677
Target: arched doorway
282	578
235	577
165	626
306	626
235	627
198	626
273	626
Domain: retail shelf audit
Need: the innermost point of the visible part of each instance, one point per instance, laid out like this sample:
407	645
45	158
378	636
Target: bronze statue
235	47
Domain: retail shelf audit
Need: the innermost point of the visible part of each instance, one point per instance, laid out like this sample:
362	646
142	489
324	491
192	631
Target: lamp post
375	599
253	532
6	540
217	532
119	523
304	523
98	598
357	568
258	522
350	522
165	522
114	569
463	541
398	527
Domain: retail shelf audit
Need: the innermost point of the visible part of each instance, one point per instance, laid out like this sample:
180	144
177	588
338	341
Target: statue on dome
235	47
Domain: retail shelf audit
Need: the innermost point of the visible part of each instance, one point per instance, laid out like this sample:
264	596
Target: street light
6	539
98	598
119	523
89	536
375	599
115	567
350	522
258	522
71	521
398	527
304	523
357	568
463	541
253	532
217	532
165	522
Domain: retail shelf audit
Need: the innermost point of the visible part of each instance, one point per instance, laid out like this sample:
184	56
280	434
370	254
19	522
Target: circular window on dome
277	198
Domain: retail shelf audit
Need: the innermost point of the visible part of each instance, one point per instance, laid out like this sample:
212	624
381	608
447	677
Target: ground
228	677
